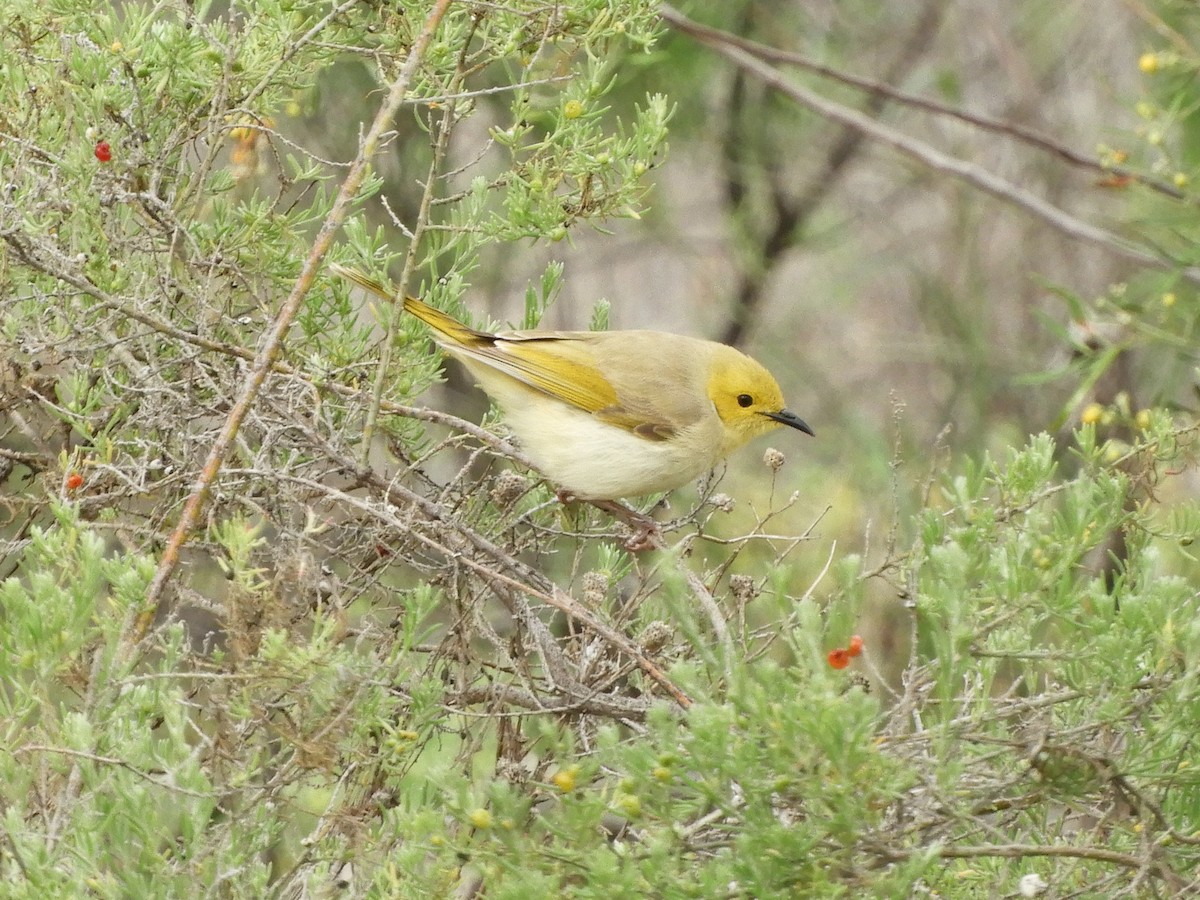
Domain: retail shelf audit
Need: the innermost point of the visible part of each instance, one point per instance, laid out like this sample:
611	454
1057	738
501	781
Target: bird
609	415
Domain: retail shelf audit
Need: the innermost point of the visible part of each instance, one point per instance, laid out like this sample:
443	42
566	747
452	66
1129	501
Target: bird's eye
744	400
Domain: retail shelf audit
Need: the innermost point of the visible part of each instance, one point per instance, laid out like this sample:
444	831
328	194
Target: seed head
774	459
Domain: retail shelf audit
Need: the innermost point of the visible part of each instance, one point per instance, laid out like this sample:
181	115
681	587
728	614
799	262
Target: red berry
74	481
856	645
839	658
103	151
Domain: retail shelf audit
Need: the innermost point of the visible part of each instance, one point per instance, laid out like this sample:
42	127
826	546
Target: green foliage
1036	698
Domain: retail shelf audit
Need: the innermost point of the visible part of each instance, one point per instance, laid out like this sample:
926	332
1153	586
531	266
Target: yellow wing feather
556	363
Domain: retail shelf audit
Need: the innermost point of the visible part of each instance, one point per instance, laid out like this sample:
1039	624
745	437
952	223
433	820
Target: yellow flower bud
565	779
629	805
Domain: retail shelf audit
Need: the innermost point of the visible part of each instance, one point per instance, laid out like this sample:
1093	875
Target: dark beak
783	417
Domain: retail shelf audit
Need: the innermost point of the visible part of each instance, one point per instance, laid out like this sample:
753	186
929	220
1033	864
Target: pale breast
595	460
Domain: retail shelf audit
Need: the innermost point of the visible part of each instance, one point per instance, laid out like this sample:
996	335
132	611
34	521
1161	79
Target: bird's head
747	398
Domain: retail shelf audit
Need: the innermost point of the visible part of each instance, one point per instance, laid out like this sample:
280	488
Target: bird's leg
646	533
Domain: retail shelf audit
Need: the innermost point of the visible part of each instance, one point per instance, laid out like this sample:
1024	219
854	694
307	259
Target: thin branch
272	345
549	593
486	92
440	144
790	212
166	783
972	174
547	703
1022	851
709	604
884	90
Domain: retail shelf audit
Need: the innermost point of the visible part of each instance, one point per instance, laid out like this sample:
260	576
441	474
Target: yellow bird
611	414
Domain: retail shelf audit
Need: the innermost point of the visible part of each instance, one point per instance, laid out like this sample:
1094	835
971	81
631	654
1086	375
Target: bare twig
273	342
971	173
717	618
789	211
1022	851
440	143
524	579
882	89
164	782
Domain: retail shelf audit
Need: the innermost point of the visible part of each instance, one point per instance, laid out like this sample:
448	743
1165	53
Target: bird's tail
447	327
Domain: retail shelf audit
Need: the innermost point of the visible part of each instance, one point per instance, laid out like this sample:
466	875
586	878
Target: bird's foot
647	535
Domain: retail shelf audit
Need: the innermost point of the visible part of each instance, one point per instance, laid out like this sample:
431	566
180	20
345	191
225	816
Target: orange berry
839	658
74	481
856	645
103	151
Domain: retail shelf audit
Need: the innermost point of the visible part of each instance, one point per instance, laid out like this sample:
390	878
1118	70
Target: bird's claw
647	535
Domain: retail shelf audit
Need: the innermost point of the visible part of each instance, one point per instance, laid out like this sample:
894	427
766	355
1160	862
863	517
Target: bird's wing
557	363
660	384
554	364
569	366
